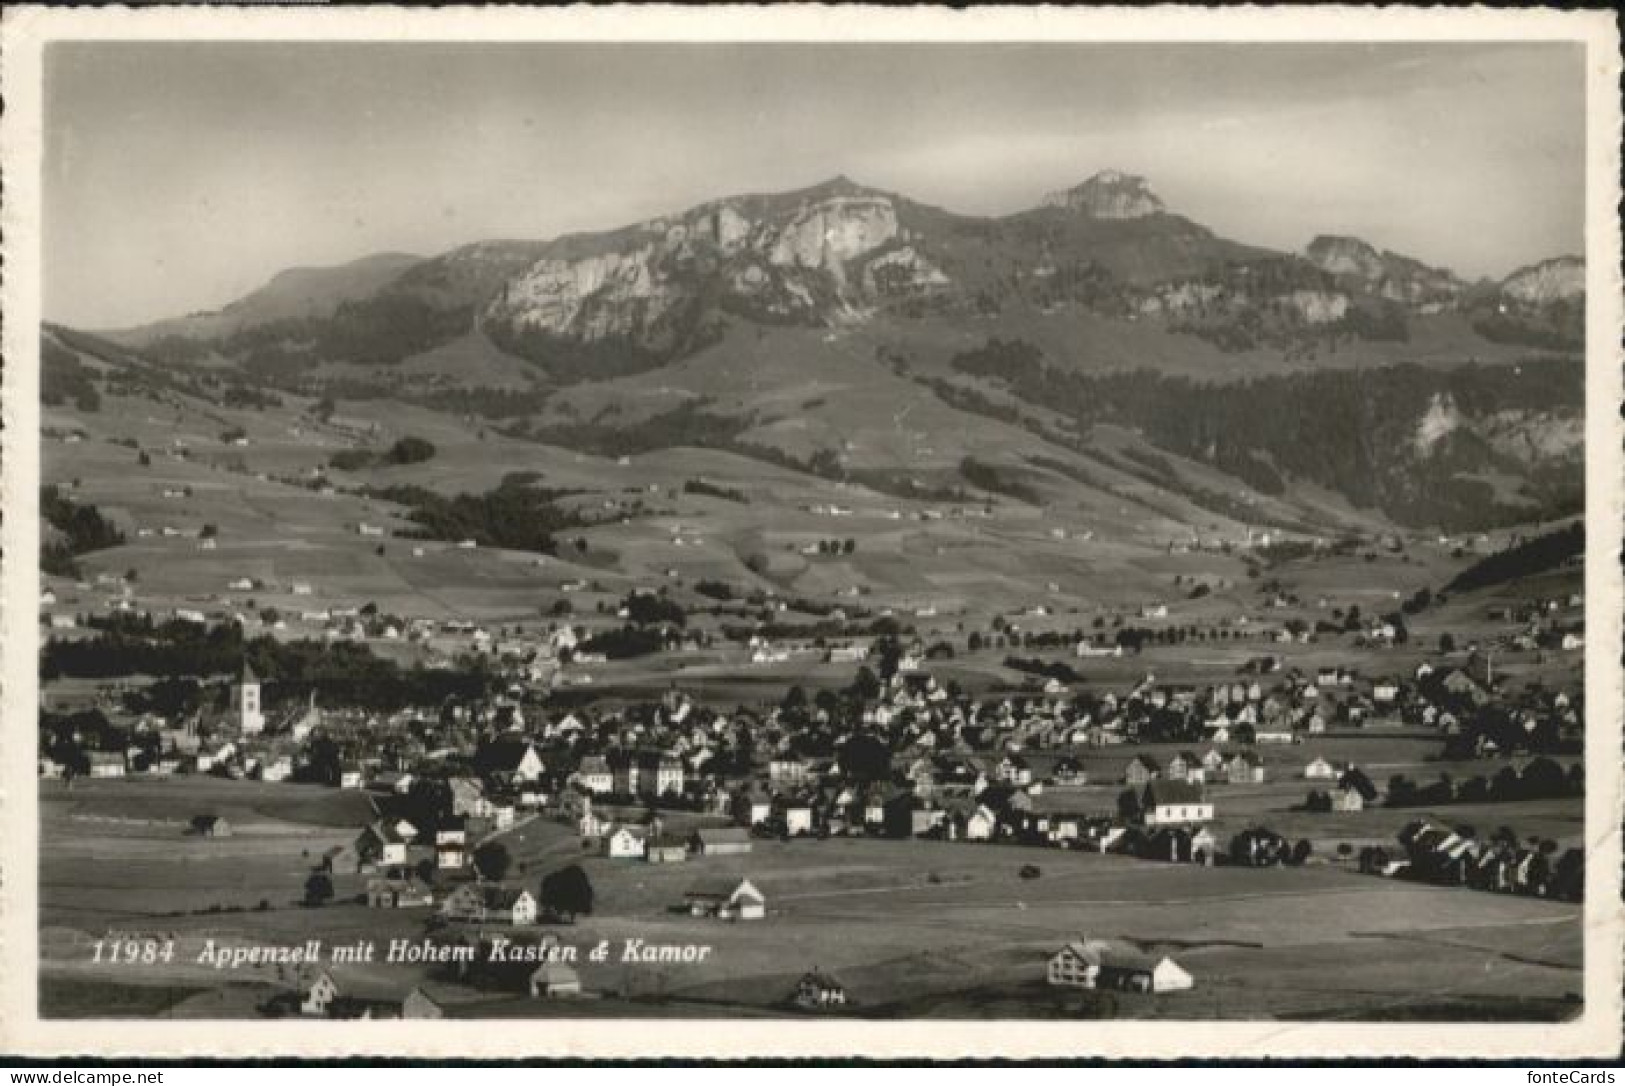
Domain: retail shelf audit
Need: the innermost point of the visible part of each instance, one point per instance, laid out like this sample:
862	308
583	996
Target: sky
179	176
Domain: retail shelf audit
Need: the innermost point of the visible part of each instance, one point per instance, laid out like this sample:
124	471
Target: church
246	699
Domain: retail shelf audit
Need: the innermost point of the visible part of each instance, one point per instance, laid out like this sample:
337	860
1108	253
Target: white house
1319	770
319	996
625	843
1097	963
1174	803
727	900
980	826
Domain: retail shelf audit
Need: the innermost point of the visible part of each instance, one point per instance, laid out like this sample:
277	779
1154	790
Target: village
1267	770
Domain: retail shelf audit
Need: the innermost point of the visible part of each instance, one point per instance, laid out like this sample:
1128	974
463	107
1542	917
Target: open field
910	927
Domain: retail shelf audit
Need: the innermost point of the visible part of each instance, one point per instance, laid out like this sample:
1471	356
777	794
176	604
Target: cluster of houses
325	996
1501	863
936	763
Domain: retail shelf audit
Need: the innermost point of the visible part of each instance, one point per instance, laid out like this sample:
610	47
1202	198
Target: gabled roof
721	888
822	980
503	897
1110	954
1164	793
504	754
556	973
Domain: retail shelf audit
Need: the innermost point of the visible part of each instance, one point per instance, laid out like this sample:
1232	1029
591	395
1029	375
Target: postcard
802	531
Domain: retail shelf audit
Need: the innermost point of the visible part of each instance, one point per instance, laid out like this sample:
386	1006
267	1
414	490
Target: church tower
250	720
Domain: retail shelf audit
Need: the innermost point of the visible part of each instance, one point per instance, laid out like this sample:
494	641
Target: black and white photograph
932	531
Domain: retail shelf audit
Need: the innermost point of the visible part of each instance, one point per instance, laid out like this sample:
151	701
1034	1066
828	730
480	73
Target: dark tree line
1532	556
82	529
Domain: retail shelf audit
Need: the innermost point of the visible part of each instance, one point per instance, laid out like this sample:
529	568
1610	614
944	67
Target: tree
1128	805
567	892
318	890
410	450
865	758
866	686
1543	778
492	861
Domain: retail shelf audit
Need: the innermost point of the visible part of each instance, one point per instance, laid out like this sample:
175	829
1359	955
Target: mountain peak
839	185
1341	254
1557	279
1109	194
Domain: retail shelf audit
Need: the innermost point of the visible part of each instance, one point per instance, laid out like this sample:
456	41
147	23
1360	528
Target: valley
891	566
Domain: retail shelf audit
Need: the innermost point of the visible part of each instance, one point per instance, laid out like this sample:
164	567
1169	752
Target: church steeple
250	716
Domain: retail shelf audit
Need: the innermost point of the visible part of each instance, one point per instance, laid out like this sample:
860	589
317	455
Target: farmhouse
979	825
1174	803
509	760
817	991
1069	773
106	763
319	996
1245	768
594	774
381	844
788	770
722	841
726	900
665	849
625	843
211	826
419	1004
1097	963
478	904
1347	800
1182	765
398	894
1355	780
1319	770
1141	770
797	815
554	980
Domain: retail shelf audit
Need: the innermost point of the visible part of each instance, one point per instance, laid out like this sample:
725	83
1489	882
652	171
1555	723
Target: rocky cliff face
1559	279
1388	275
1341	255
823	257
1109	194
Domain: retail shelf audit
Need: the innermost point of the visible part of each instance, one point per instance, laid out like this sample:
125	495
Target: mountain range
838	253
676	330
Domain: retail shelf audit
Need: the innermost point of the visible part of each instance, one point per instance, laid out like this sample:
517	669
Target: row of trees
1541	778
521	518
342	672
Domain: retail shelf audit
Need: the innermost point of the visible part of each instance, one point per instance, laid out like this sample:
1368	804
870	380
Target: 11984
133	950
